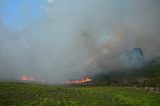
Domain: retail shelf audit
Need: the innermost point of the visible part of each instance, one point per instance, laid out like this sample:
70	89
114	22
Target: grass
20	94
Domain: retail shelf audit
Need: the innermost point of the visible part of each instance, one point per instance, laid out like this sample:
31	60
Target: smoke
80	37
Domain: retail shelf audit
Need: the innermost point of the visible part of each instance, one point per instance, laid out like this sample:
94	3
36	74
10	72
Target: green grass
20	94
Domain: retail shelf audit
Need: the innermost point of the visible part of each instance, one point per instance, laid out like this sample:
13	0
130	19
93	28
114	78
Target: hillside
148	75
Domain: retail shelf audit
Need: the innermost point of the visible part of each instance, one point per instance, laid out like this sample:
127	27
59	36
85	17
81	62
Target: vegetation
22	94
147	76
110	89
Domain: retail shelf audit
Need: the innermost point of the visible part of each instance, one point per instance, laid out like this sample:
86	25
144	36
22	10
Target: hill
148	75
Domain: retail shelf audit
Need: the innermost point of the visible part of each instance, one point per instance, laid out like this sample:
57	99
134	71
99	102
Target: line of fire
85	79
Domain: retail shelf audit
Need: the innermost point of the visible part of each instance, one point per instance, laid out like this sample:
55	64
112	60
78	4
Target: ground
23	94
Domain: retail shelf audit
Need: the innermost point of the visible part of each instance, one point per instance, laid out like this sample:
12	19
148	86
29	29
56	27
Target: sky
17	13
57	40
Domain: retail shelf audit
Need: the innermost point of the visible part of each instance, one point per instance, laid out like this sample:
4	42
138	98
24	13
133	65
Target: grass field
21	94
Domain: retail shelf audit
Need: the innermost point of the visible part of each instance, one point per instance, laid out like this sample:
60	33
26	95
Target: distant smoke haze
79	37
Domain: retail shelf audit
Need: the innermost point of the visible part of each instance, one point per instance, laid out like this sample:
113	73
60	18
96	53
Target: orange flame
83	80
26	78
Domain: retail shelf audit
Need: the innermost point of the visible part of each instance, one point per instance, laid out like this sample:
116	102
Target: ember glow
27	78
83	80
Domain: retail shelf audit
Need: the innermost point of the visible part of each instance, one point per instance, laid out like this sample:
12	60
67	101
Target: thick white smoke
79	37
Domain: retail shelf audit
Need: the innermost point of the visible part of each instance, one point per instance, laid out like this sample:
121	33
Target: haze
56	40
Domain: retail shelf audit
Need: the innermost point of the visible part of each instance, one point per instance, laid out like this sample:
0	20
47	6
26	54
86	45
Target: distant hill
148	75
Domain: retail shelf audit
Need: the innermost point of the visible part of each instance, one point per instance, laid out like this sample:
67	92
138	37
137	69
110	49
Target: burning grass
80	81
27	78
18	94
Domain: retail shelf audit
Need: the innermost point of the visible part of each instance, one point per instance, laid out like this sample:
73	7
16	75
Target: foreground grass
18	94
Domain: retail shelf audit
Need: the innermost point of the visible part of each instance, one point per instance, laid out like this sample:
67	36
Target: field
22	94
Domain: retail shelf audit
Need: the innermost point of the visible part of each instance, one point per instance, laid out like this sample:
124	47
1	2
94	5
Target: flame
83	80
27	78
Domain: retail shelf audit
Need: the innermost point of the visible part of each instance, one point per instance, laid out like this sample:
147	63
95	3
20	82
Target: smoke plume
79	37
